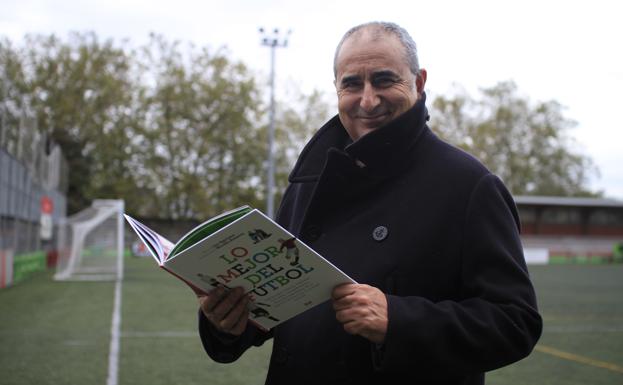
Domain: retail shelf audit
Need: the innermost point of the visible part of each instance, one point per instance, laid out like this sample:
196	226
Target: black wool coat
431	227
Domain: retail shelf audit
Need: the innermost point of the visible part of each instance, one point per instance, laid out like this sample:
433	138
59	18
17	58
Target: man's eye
384	82
350	84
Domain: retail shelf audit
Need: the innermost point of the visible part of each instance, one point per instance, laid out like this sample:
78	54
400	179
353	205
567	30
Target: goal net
90	243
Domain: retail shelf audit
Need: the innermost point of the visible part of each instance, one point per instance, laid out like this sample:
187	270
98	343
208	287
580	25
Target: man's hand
362	310
226	309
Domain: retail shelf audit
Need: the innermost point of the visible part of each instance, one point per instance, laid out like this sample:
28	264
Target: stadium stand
584	230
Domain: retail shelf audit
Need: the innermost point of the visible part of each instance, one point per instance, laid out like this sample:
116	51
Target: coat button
311	233
380	233
280	356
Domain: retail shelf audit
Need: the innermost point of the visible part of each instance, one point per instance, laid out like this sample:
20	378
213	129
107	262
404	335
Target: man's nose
369	99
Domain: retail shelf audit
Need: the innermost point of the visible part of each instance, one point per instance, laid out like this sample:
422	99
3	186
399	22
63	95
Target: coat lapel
339	170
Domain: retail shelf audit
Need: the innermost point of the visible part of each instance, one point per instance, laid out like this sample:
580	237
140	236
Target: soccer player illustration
258	234
291	249
258	312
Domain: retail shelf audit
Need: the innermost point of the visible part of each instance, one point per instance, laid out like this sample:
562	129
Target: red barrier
6	268
51	258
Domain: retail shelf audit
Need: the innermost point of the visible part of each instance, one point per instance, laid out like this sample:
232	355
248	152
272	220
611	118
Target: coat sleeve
494	322
226	348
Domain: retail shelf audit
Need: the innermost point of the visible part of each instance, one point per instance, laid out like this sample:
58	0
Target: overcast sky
568	51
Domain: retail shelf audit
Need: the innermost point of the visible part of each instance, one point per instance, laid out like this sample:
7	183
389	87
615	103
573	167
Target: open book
242	247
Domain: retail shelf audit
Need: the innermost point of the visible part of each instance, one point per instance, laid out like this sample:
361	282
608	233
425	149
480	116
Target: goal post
90	243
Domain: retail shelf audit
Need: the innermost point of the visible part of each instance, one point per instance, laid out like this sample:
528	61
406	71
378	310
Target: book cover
282	276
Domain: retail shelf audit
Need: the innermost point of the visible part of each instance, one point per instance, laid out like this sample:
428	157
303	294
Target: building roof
567	201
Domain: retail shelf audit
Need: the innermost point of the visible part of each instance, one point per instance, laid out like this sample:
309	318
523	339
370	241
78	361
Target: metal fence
30	168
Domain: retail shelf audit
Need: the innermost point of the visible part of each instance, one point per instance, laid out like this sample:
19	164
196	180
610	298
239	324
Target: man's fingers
362	310
208	302
231	319
203	299
351	296
352	314
224	307
212	299
353	328
343	290
241	324
227	302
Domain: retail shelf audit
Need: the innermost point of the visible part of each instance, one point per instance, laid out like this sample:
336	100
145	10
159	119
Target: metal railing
30	168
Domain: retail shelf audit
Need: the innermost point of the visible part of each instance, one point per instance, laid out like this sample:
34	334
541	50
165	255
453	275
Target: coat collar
377	152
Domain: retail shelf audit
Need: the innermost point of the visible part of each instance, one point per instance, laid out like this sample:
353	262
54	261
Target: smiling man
429	234
377	78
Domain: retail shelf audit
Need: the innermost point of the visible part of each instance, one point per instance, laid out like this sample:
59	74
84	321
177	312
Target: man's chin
361	127
361	131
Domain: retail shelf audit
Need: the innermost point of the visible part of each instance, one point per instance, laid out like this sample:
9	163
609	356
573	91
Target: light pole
5	109
273	40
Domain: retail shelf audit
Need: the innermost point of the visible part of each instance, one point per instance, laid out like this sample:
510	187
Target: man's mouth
374	118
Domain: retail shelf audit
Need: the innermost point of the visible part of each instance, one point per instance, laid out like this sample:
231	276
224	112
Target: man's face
373	81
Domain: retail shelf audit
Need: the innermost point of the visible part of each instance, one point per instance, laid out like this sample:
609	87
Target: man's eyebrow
384	73
349	78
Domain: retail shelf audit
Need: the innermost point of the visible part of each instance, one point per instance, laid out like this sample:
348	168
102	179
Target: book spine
194	288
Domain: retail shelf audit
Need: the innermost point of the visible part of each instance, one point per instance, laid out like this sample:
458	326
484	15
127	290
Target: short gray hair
392	28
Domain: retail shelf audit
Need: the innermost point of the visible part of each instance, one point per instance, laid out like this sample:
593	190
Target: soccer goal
90	243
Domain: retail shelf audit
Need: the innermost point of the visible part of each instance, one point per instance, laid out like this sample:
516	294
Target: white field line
113	354
115	329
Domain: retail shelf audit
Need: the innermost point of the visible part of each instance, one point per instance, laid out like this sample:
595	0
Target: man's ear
420	81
